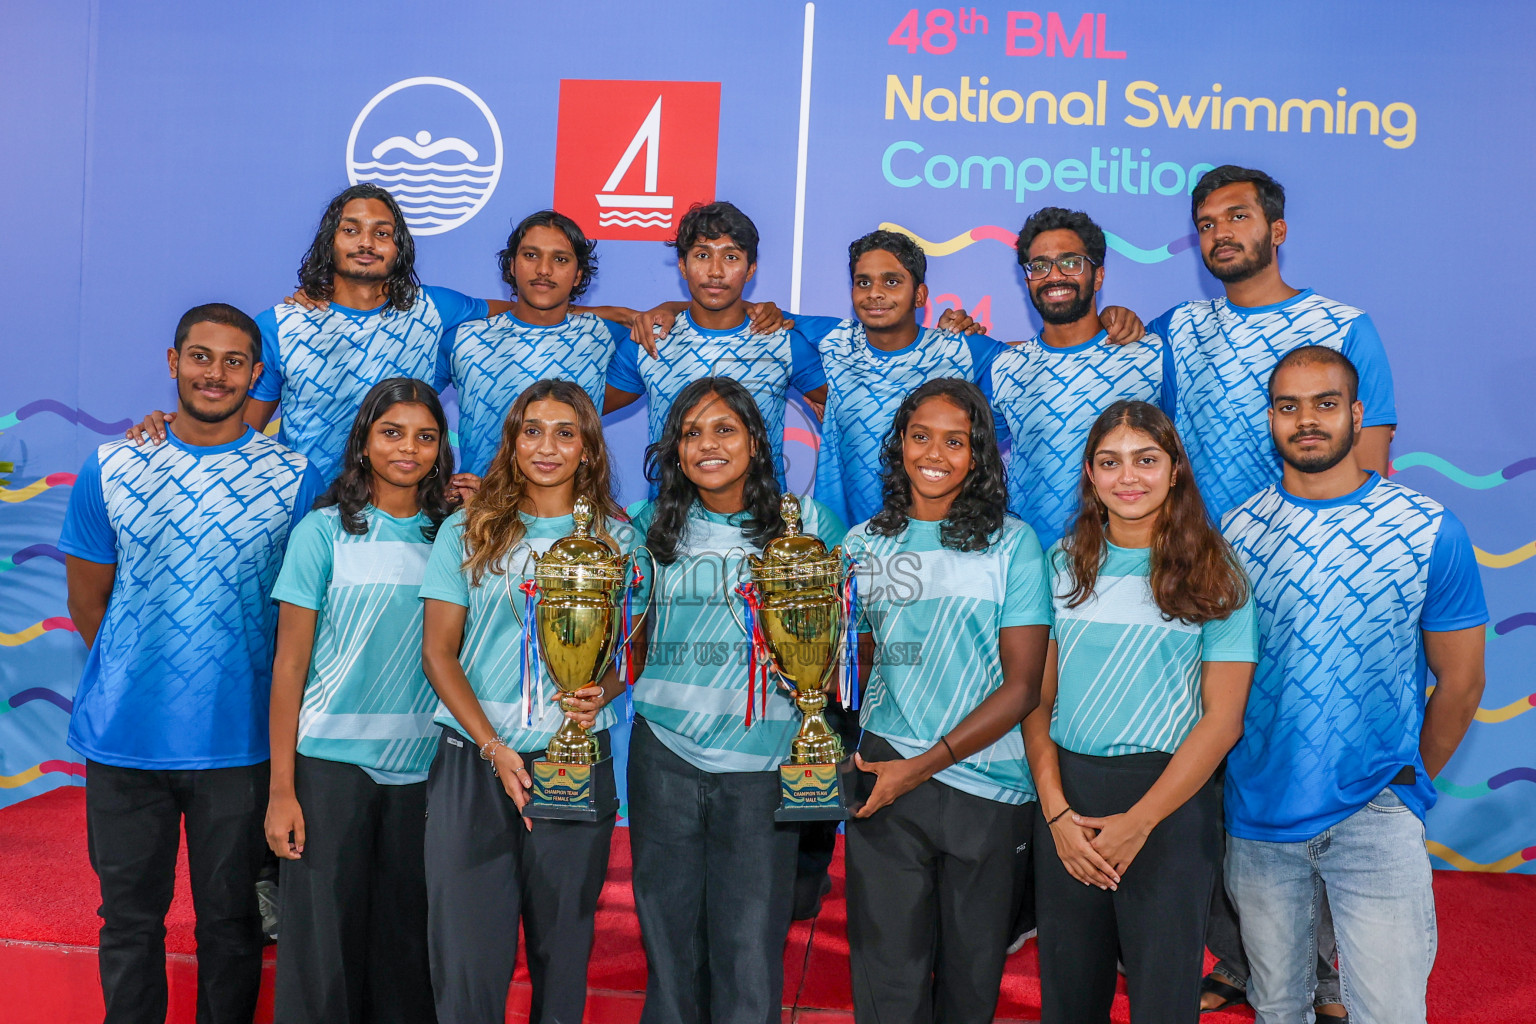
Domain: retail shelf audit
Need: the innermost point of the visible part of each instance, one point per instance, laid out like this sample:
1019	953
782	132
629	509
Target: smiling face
717	270
549	446
545	268
885	296
364	245
1313	416
403	445
1236	242
1131	474
1058	297
936	454
214	371
716	452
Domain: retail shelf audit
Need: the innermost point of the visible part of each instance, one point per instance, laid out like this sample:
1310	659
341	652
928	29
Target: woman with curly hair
713	872
1153	647
953	597
351	716
487	865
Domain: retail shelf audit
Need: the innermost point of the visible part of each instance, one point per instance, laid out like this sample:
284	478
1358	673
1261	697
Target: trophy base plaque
814	792
571	792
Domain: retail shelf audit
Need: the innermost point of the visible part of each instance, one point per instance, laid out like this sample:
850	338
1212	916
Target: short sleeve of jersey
455	307
444	579
984	349
1363	347
814	329
1234	638
1027	601
306	571
805	373
270	384
1455	596
87	532
311	486
617	333
624	370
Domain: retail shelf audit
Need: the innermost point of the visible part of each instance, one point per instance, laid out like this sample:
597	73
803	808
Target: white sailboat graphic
643	210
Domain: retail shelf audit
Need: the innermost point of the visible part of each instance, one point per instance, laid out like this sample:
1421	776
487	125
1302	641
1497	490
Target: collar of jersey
1354	497
1121	561
881	353
199	450
708	333
358	314
1305	293
402	520
534	327
1096	340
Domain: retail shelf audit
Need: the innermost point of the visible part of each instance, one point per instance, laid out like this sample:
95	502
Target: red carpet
48	923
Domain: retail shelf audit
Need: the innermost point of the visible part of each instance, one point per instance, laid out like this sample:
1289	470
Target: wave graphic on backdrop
439	182
30	552
36	630
73	415
42	693
1455	474
1498	781
1494	716
37	771
993	233
37	487
1506	863
1508	558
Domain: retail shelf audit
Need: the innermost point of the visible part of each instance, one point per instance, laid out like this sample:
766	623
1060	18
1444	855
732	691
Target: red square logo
562	772
807	773
631	157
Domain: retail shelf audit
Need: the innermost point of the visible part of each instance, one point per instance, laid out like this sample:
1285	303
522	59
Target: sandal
1230	995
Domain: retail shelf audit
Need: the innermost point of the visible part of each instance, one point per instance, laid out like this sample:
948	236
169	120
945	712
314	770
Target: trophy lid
579	547
793	546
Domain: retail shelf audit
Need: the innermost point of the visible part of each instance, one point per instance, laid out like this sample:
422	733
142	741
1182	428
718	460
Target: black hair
353	487
219	313
1318	355
318	268
1054	218
716	220
675	493
584	248
978	510
907	252
1271	192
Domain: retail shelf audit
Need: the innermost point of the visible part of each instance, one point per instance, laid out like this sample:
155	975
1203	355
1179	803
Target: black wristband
952	758
1058	817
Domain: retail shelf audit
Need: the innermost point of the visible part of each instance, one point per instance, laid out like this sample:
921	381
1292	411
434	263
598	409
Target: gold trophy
581	582
801	616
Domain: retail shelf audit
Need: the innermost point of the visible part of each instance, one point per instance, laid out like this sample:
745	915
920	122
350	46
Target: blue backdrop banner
169	154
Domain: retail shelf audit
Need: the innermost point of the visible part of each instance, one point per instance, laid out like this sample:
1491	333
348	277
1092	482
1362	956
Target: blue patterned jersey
319	363
1218	383
935	613
1045	399
865	385
767	365
1343	589
181	670
493	361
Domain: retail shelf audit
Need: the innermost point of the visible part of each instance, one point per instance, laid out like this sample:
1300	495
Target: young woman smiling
954	597
351	713
487	865
1153	647
714	874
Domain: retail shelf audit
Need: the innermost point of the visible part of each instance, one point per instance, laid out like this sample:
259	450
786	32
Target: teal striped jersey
935	613
493	627
693	691
1128	678
366	701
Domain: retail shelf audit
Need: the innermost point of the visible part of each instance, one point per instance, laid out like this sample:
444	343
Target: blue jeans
1378	880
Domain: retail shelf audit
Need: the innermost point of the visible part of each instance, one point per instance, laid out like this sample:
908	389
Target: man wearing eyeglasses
1221	351
1047	391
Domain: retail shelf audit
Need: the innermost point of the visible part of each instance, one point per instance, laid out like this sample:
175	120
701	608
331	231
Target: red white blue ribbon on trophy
850	667
759	660
530	649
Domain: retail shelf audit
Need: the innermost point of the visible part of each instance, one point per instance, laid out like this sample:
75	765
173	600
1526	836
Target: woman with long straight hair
487	865
954	601
714	874
1153	647
351	716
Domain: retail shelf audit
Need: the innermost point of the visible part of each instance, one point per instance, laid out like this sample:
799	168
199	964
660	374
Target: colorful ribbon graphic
1455	474
1507	863
37	771
37	487
1498	781
30	552
73	415
993	233
36	630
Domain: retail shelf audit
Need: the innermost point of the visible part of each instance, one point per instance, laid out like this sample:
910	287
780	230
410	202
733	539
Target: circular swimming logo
434	145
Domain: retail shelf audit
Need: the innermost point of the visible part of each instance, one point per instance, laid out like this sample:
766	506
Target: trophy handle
730	591
650	598
529	560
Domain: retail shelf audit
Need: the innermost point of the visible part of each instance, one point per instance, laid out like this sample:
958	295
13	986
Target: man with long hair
171	554
1047	391
1359	584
